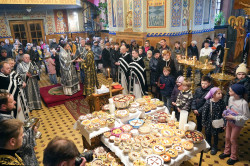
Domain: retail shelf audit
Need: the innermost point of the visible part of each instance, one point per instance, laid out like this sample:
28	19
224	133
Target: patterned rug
77	107
56	91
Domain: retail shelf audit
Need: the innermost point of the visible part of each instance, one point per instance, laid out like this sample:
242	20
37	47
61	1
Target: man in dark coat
53	44
106	56
164	45
8	47
114	58
199	99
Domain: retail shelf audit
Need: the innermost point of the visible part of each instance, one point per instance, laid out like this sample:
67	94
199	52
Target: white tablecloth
118	123
186	155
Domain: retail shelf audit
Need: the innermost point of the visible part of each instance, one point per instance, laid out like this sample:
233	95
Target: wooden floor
57	121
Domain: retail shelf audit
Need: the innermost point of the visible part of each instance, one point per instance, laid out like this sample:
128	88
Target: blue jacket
169	82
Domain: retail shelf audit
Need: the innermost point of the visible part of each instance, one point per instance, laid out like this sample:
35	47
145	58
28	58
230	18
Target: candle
108	73
183	119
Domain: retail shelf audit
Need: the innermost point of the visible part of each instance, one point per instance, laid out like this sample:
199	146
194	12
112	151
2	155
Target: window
218	6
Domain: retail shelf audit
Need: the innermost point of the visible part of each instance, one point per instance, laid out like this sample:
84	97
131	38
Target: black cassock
13	84
138	76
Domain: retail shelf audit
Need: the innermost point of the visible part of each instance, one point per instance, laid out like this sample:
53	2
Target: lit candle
108	73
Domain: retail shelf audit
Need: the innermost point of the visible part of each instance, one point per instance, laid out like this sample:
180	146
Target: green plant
103	7
219	19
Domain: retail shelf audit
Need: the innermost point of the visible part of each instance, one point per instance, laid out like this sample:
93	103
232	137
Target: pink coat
51	66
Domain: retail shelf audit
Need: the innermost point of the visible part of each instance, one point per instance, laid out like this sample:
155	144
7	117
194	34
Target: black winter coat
153	70
162	63
169	82
199	98
193	51
114	57
106	58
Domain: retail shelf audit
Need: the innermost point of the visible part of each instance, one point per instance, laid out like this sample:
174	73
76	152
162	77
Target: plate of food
136	123
195	136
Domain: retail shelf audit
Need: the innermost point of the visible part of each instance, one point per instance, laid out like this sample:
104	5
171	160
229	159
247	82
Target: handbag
217	123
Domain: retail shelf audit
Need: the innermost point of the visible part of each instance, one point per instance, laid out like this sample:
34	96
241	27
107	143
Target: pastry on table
147	98
82	118
134	105
147	108
154	160
116	131
195	136
154	141
131	97
121	145
112	139
147	138
85	122
171	123
176	140
126	149
96	126
146	152
159	103
179	133
172	153
136	123
162	119
141	101
117	141
103	123
145	144
134	156
107	134
167	142
110	122
125	136
133	110
121	113
156	135
121	101
167	132
166	157
96	162
153	106
89	116
162	126
138	138
130	142
188	145
178	147
145	129
158	149
89	128
111	156
139	163
127	128
136	146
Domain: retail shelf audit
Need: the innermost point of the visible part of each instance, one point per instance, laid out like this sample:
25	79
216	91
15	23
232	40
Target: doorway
30	31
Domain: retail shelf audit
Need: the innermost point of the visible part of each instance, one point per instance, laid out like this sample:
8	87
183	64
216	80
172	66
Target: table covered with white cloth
185	156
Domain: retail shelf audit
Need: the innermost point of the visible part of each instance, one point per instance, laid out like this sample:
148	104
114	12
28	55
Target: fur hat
242	69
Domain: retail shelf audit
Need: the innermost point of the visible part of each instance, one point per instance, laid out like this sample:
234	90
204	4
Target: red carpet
55	97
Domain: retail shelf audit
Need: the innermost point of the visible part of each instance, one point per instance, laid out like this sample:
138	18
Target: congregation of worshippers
141	70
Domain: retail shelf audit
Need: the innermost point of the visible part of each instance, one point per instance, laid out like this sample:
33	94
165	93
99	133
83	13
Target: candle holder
206	67
221	78
110	80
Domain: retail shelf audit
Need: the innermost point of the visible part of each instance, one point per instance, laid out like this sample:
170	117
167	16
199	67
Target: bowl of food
195	136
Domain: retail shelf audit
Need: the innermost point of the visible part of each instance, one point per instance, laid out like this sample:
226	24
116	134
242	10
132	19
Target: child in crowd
199	99
51	68
166	61
166	84
212	110
184	98
146	61
240	106
176	91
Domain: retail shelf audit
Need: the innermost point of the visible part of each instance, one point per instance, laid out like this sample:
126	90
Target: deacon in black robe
137	83
123	69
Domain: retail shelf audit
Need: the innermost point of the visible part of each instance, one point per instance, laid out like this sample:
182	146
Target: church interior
125	82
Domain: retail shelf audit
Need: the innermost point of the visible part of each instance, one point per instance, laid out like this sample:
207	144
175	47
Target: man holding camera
26	151
11	138
61	152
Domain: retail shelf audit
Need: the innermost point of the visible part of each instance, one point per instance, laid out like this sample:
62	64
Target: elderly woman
193	50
